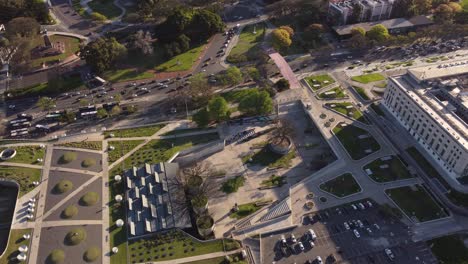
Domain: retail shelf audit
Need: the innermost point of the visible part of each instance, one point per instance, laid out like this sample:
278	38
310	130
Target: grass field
121	148
185	131
124	75
320	81
362	92
15	241
69	83
416	202
245	210
144	131
357	147
341	186
23	176
94	145
339	93
396	170
181	62
449	249
248	46
105	7
27	154
368	78
348	109
236	96
174	245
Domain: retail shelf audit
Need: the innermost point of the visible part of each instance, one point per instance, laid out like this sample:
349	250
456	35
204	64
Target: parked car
293	238
389	254
356	233
301	246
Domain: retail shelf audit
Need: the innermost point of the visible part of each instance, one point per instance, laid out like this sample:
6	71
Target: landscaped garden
245	210
362	92
449	249
357	142
341	186
266	157
248	46
120	148
15	241
105	7
27	154
388	169
348	109
23	176
416	202
173	245
368	78
317	82
94	145
144	131
335	93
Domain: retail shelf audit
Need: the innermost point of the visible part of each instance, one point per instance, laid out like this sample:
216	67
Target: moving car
356	233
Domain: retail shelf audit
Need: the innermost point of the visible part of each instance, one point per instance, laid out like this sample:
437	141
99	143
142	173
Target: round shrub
88	162
63	186
89	199
67	157
69	212
92	254
56	256
75	236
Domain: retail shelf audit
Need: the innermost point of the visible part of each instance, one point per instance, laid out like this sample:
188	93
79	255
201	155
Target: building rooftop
443	70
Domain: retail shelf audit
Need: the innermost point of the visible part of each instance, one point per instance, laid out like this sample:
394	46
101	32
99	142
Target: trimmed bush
232	185
56	256
92	254
88	162
89	199
69	212
67	157
75	236
63	186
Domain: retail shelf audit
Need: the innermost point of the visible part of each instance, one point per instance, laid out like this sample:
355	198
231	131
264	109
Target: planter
205	225
280	146
200	204
7	154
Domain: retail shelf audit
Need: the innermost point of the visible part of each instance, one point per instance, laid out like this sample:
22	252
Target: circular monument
7	154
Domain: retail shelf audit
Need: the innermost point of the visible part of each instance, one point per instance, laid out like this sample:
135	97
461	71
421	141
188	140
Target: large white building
431	102
340	11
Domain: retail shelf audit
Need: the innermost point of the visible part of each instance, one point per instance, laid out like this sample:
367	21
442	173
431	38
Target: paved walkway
196	258
105	205
285	70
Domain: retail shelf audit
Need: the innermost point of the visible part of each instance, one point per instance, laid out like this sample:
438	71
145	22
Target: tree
199	90
101	113
206	23
282	85
46	103
461	18
422	6
131	109
456	7
358	37
115	111
202	117
23	8
102	53
443	14
284	129
68	117
288	29
22	27
253	73
256	103
118	98
231	76
218	109
358	31
143	42
184	42
96	16
281	39
315	29
356	13
378	33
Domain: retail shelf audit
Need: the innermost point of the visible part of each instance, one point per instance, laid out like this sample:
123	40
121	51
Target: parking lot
363	239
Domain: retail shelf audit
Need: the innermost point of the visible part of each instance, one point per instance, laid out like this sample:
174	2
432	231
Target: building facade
431	103
341	11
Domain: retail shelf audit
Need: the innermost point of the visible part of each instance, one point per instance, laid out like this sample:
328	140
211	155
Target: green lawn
341	186
67	84
266	157
362	92
416	201
173	245
23	176
449	249
396	170
381	84
232	185
245	210
356	147
15	241
162	150
121	148
185	131
125	75
377	109
456	197
94	145
348	109
339	93
72	45
181	62
105	7
235	96
320	81
368	78
144	131
248	46
27	154
221	260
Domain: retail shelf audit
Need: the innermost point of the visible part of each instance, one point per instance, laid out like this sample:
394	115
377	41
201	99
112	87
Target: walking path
78	149
105	205
197	258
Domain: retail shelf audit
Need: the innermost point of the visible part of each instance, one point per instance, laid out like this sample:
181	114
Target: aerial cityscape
242	132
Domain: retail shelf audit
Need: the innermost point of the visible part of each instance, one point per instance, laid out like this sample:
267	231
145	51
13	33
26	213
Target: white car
319	260
346	225
301	246
360	224
293	238
283	239
312	234
369	230
389	254
354	207
369	203
377	226
311	243
356	233
361	206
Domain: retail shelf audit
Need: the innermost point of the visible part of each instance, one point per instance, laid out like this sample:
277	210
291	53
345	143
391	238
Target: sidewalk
196	258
